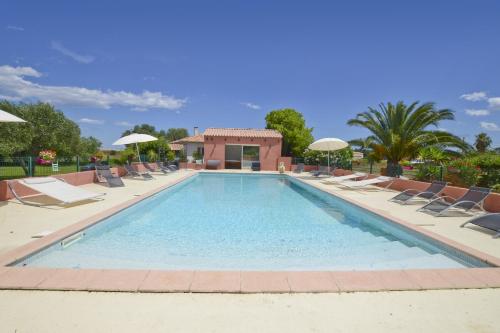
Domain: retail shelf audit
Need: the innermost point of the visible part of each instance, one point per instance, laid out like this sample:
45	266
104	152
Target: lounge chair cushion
59	189
40	180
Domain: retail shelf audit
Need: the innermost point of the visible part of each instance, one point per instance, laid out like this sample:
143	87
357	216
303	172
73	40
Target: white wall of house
189	148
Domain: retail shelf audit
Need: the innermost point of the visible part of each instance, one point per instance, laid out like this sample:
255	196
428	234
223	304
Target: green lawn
11	172
364	166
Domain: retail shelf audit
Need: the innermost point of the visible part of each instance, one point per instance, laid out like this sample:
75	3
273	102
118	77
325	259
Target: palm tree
483	142
400	131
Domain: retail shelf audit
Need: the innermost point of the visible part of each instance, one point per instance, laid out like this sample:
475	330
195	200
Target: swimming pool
216	221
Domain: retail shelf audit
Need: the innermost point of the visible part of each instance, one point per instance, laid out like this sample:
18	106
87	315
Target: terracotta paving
264	282
160	281
208	281
245	282
312	282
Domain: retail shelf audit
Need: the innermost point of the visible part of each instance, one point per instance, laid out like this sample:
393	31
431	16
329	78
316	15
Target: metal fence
29	166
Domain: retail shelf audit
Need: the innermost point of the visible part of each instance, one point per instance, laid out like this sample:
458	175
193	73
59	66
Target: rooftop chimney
196	132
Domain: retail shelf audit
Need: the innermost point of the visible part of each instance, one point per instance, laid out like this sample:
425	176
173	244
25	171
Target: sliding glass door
249	154
241	157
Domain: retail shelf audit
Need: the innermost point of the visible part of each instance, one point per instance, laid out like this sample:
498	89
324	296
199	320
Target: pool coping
129	280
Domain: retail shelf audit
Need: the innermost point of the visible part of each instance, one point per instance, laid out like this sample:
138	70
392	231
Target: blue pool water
248	222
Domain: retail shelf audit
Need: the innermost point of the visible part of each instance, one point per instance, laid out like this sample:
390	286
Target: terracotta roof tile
176	146
243	132
189	139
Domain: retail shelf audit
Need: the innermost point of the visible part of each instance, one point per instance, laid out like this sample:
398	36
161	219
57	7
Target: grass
11	172
364	166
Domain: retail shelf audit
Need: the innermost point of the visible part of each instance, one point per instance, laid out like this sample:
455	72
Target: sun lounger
137	175
428	194
322	171
473	198
366	182
487	221
163	168
299	168
55	188
105	175
339	179
172	167
148	167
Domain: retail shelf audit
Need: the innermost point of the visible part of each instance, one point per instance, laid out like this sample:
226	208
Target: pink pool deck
126	280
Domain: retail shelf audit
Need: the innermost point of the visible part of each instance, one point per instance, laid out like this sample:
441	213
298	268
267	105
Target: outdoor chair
487	221
162	167
172	167
299	168
148	167
473	198
255	166
322	171
362	184
55	188
131	172
428	194
340	179
105	175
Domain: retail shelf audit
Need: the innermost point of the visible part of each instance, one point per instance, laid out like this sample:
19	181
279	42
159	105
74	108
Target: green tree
483	142
159	146
291	124
176	134
46	128
142	129
399	131
89	145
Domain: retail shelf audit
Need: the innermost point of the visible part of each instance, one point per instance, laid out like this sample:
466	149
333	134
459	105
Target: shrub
152	156
467	174
170	156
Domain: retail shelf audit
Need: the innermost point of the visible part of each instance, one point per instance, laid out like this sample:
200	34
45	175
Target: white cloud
124	124
490	126
494	102
15	28
477	113
91	121
13	86
475	96
84	59
251	105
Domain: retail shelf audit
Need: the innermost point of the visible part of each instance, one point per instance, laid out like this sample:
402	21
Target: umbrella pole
328	162
138	154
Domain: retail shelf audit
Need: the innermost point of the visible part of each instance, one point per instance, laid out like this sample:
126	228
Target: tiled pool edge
238	281
245	281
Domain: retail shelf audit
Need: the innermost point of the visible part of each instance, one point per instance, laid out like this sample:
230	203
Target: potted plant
198	157
46	157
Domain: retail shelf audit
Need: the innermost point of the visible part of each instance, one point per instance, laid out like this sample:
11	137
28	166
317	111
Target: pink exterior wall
491	204
75	178
287	161
269	152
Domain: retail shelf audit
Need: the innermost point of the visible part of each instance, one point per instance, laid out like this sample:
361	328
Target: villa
235	148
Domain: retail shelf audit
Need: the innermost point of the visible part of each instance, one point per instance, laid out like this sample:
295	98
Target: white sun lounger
346	177
55	188
365	183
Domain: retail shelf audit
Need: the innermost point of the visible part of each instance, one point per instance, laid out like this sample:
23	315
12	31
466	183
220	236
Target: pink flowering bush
46	157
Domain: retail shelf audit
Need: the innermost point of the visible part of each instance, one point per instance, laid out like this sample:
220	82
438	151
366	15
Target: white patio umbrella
6	117
328	144
134	138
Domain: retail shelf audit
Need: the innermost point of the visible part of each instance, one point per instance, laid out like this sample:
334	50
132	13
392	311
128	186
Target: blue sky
110	65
